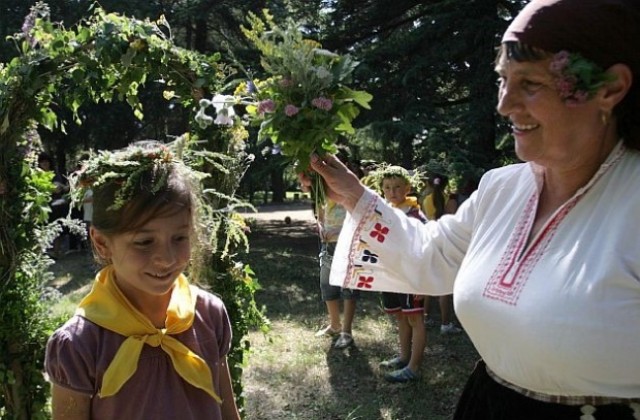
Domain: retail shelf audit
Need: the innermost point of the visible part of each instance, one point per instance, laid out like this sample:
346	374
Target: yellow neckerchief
408	202
106	306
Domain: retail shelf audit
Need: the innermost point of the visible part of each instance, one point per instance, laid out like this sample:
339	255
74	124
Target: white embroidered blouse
557	315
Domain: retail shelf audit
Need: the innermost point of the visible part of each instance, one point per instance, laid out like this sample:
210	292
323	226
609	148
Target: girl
144	343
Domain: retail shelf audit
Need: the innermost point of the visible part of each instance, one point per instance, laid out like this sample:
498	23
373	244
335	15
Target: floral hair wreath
577	78
383	171
125	169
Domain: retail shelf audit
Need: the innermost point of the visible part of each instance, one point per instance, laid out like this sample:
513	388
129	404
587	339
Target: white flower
224	109
323	73
325	53
222	119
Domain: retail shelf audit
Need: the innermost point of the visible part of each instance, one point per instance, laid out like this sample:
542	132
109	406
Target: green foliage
305	104
105	58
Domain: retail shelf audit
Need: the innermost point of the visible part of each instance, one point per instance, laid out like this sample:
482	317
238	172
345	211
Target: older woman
543	259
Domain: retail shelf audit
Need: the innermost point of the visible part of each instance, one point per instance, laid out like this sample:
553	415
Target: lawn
293	375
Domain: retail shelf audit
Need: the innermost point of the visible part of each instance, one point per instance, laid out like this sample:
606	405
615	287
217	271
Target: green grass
291	374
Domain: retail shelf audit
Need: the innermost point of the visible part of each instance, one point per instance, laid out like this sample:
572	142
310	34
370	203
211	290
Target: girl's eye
143	242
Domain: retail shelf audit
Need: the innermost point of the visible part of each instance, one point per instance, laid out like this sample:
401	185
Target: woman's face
148	260
546	130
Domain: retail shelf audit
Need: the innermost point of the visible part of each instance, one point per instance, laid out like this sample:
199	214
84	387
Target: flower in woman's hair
577	78
322	103
266	107
437	181
251	87
291	110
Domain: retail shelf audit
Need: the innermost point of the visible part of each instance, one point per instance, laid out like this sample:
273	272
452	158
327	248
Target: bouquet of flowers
304	104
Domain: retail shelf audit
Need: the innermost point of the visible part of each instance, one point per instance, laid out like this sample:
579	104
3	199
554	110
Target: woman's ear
100	243
614	91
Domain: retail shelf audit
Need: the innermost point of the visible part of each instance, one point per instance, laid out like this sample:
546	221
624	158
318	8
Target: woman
547	285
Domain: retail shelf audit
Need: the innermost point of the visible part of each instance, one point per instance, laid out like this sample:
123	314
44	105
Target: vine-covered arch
106	57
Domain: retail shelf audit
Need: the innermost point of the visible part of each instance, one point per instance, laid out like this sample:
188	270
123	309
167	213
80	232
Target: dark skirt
484	398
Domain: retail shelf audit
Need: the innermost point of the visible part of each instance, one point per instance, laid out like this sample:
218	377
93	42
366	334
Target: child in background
395	184
144	343
434	205
330	217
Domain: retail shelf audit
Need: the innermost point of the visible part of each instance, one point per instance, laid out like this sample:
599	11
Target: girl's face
148	261
395	190
546	130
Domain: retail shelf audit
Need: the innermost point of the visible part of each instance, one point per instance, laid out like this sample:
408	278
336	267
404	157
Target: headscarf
606	32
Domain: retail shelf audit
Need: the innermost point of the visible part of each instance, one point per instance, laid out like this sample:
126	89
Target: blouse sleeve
69	362
380	249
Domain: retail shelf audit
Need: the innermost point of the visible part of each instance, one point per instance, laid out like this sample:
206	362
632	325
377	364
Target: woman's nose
507	99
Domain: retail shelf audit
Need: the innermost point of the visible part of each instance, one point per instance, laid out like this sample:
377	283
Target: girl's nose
165	255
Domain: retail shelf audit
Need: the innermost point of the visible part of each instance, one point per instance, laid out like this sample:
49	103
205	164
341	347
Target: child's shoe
344	340
401	375
327	332
450	328
395	363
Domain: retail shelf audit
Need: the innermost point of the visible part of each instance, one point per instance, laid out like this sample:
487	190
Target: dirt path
300	210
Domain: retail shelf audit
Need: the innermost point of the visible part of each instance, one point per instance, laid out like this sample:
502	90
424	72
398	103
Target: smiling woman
553	317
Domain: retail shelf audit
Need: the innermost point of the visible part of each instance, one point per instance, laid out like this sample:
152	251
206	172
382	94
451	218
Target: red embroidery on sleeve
365	282
379	232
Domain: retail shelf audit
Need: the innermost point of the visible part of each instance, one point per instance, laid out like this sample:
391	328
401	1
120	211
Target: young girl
144	343
395	184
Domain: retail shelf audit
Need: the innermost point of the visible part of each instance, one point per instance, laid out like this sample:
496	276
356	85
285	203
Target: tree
429	65
105	58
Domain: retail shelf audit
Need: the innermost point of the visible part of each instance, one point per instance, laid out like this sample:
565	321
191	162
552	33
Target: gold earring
604	117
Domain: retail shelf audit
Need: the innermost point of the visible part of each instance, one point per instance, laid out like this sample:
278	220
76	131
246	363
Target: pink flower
291	110
322	103
266	107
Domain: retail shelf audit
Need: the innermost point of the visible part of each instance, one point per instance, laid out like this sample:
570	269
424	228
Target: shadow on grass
294	375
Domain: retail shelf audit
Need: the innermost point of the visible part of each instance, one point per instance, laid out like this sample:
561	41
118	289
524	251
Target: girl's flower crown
124	168
577	78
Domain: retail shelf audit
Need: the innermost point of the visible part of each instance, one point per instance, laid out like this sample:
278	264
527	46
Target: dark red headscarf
605	31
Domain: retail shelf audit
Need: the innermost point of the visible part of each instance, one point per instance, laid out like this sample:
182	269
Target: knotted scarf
107	307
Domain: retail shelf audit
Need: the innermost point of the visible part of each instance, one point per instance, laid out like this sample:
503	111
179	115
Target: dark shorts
485	399
327	291
401	302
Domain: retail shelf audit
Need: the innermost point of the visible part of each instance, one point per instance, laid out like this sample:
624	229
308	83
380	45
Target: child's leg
333	308
418	339
405	334
446	309
347	317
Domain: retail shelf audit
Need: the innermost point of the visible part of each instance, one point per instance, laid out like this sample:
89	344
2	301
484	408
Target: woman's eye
530	85
143	242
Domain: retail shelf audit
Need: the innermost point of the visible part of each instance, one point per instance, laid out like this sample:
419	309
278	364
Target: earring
604	117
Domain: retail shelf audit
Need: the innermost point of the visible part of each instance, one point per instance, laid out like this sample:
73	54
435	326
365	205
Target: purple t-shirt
79	352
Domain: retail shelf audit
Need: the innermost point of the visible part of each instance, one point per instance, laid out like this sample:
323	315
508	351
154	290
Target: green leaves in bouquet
305	104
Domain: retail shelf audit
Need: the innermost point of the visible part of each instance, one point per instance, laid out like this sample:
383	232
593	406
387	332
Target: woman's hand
341	185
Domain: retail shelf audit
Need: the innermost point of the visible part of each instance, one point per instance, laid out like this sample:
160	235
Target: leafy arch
107	57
